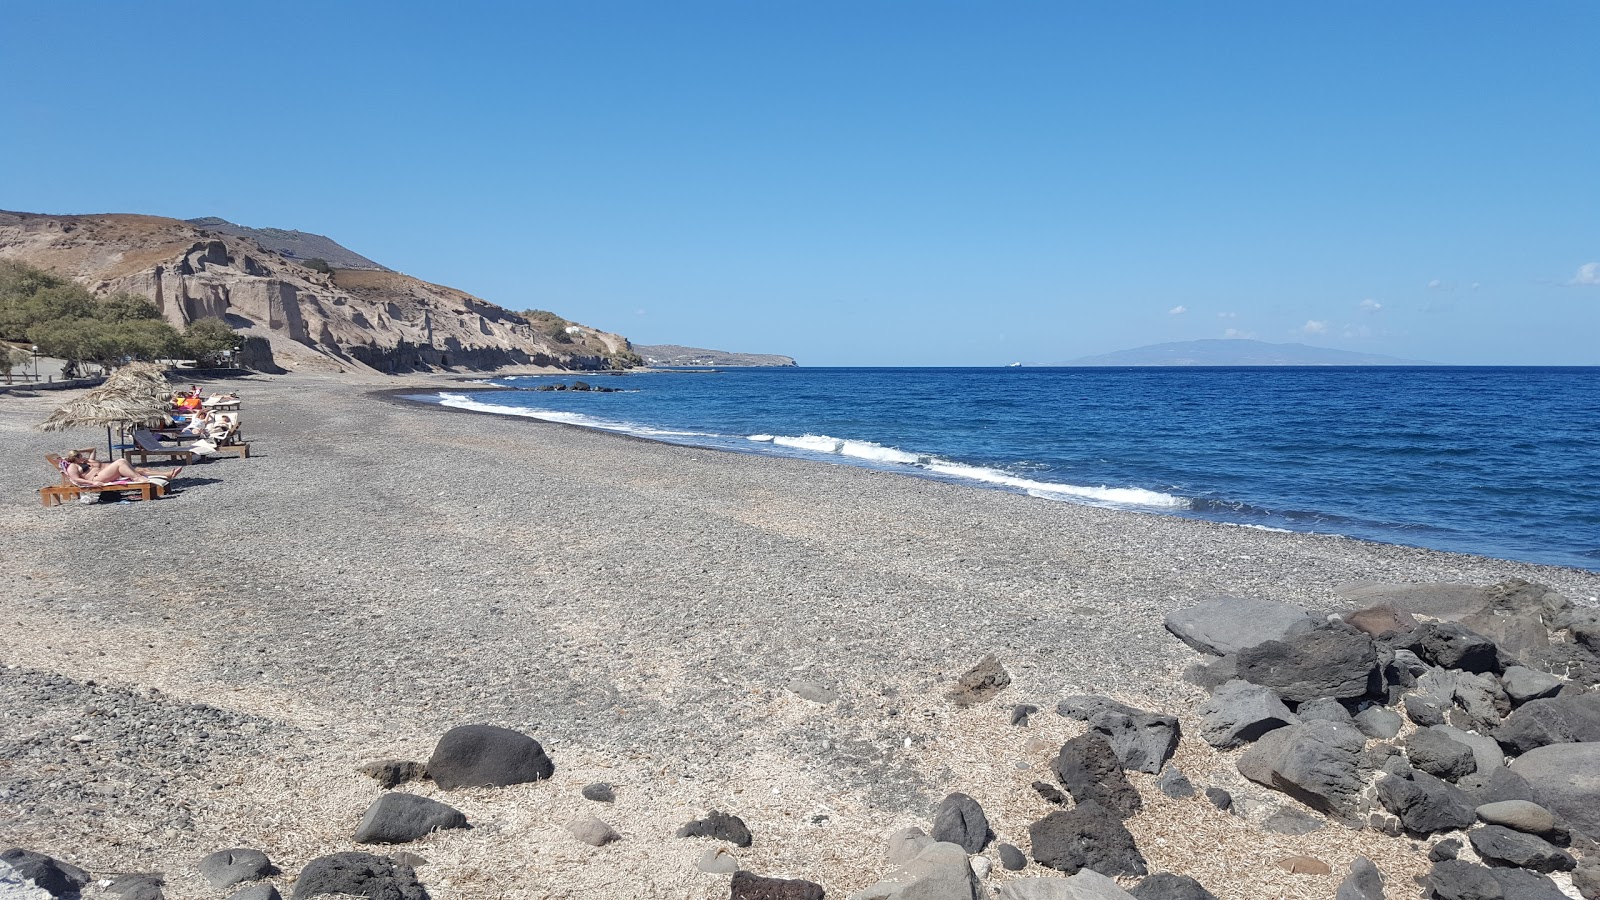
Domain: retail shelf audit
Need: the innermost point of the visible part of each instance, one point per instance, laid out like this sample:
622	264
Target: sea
1500	462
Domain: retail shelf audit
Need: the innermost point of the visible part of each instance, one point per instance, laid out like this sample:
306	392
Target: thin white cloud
1588	273
1313	326
1435	284
1369	305
1227	315
1177	310
1236	333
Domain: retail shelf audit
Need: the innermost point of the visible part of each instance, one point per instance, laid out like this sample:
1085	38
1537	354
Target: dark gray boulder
1523	684
1012	858
1320	663
1378	722
1240	712
1087	836
261	891
1021	712
1480	703
1219	798
1090	771
47	872
1445	849
1522	884
1485	750
1223	625
1142	740
1567	718
1364	882
226	868
138	886
721	826
749	886
1454	646
1050	793
1454	879
1167	886
361	874
398	818
1586	878
960	820
487	755
1175	784
1566	780
1424	711
1324	709
1431	750
1496	843
1321	764
1425	804
1494	785
599	792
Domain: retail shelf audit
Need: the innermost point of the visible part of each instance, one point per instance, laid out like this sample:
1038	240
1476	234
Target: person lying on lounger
83	470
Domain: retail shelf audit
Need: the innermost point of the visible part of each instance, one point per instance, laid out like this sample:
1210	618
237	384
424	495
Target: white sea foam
1048	490
462	401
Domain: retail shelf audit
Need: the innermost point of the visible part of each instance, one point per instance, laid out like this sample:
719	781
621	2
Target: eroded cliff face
358	318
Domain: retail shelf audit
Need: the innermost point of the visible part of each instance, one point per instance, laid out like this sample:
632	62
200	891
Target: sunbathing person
83	470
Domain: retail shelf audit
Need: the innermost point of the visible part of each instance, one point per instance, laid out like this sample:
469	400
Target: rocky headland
365	318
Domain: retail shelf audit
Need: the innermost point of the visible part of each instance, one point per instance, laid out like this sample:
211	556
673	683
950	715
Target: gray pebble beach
211	669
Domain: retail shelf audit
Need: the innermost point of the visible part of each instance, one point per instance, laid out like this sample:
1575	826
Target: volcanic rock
487	755
1318	763
1223	625
1143	741
1240	712
362	874
1364	882
1562	719
960	821
1432	751
49	873
398	818
1320	663
1089	770
226	868
748	886
1426	804
1496	843
981	682
718	825
1167	886
1087	836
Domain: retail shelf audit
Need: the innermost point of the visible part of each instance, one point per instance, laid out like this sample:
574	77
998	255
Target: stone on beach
939	872
1523	684
397	818
749	886
138	886
1224	625
1318	763
1088	769
1292	822
47	872
1169	886
487	756
1142	741
1381	619
906	844
1499	844
1378	722
1087	836
1453	646
1321	663
593	831
981	682
599	792
390	773
960	820
719	825
1522	815
361	874
1012	858
1175	784
257	892
1364	882
1567	718
1426	804
1433	751
226	868
1240	712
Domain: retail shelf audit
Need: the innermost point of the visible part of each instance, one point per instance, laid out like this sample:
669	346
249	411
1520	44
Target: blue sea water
1501	462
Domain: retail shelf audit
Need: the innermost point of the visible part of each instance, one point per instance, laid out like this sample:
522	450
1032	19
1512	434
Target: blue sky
872	182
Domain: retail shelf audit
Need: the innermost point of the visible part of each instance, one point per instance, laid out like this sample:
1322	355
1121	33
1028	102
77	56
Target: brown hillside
384	320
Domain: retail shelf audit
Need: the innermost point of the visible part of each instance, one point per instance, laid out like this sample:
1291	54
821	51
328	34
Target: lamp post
35	349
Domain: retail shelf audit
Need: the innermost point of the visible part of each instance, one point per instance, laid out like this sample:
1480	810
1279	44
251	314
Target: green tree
125	308
318	264
204	339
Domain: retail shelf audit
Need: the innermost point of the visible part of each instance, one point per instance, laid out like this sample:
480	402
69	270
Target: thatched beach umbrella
136	394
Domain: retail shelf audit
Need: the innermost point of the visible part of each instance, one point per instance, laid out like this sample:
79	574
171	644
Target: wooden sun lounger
147	444
57	494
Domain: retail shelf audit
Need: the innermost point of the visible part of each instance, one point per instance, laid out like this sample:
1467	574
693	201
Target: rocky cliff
351	318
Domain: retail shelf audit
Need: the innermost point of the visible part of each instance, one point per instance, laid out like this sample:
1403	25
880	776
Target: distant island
674	355
1239	352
